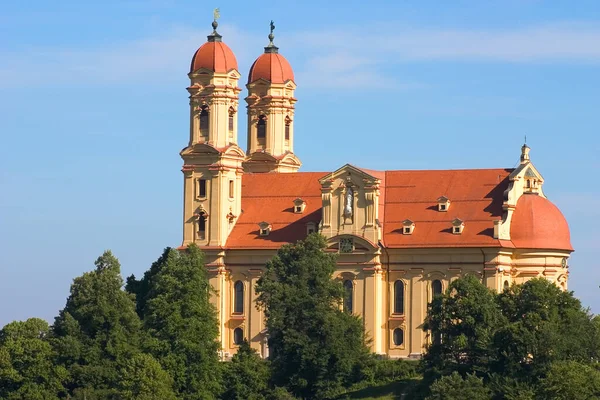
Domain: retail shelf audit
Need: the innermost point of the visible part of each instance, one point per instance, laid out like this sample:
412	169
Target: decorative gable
350	203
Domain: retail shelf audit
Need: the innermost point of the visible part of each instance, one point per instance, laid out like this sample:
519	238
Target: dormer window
443	203
264	228
311	227
457	226
299	206
408	227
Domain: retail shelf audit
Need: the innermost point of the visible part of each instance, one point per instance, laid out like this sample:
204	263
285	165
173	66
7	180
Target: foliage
570	380
516	340
246	376
315	348
98	337
173	298
455	387
142	378
544	325
98	330
386	370
27	362
466	317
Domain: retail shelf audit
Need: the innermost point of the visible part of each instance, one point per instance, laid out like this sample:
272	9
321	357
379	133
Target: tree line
157	338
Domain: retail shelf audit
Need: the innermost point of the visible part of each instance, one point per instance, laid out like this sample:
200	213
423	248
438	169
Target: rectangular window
231	183
202	188
261	127
231	123
287	131
202	227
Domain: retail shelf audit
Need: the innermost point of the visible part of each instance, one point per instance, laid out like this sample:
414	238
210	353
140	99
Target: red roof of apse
539	224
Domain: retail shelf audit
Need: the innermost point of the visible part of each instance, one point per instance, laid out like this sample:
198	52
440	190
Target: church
401	236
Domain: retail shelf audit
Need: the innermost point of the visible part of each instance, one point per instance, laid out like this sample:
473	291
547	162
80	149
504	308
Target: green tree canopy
98	333
545	324
315	348
462	322
455	387
570	380
246	376
173	298
28	367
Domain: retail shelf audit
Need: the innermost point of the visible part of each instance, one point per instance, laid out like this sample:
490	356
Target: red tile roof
272	67
270	197
215	56
475	195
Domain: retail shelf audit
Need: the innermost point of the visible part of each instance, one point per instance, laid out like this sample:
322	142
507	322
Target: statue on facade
348	202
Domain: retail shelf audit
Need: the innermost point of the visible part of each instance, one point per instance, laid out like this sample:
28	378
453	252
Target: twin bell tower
213	163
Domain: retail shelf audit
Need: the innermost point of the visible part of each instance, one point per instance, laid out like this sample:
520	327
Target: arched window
202	226
436	288
506	285
261	127
398	337
238	336
348	292
399	297
288	121
238	297
231	117
204	121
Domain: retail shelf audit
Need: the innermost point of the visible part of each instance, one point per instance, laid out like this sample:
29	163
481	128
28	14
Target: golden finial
214	36
271	48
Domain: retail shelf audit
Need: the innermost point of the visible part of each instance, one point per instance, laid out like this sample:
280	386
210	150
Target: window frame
238	297
348	302
399	300
401	332
204	121
433	288
237	342
202	188
261	128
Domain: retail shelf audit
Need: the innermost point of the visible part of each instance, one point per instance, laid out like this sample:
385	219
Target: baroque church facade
402	236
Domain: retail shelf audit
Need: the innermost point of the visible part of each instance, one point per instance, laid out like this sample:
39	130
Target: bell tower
271	113
212	161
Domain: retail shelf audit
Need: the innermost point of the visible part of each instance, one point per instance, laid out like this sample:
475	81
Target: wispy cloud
350	59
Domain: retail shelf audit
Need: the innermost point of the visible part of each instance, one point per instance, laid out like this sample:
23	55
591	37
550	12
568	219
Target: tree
570	380
315	348
27	362
98	333
142	378
462	322
455	387
545	324
246	376
173	299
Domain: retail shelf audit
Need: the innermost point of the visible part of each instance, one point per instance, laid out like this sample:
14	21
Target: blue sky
93	113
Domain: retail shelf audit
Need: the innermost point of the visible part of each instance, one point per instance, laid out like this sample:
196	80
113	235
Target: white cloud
334	58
